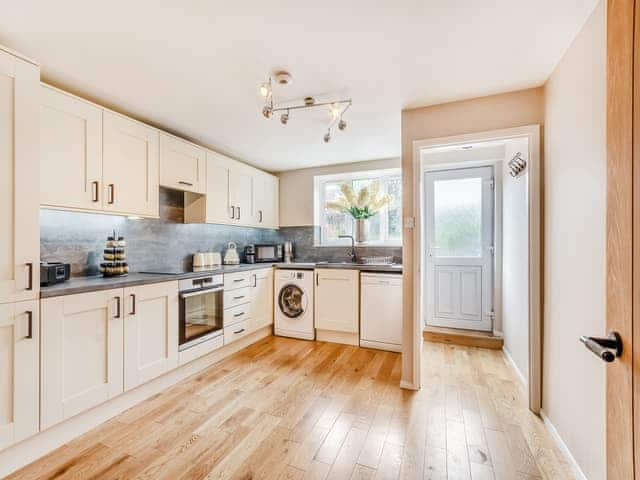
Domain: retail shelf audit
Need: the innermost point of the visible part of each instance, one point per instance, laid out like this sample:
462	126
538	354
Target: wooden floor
289	409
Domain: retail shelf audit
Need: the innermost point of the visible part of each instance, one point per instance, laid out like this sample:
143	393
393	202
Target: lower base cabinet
97	345
336	301
150	332
261	294
19	371
82	353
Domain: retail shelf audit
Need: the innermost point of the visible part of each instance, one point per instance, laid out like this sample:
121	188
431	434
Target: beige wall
296	189
470	116
515	262
575	255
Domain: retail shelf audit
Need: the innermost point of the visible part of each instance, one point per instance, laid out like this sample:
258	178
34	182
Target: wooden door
150	332
19	371
182	165
241	193
70	151
218	208
82	353
261	298
459	242
130	167
19	179
337	300
623	237
265	200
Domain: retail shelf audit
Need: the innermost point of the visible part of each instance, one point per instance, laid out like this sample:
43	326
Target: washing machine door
292	301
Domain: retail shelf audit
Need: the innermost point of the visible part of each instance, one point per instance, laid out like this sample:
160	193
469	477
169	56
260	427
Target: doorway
488	301
459	247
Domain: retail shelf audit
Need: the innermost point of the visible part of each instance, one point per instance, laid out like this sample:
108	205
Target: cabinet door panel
265	200
261	298
241	193
19	371
70	151
218	207
19	199
82	353
337	299
150	332
182	165
130	167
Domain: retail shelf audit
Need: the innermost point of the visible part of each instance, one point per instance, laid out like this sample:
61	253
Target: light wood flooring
290	409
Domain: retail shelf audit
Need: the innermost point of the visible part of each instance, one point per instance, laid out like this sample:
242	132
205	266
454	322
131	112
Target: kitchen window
385	228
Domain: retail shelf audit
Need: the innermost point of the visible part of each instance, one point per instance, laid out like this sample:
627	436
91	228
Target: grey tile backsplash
78	238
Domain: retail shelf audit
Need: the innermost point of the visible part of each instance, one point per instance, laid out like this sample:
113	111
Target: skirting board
563	447
337	337
515	368
48	440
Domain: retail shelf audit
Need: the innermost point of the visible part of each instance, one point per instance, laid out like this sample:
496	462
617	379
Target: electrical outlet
409	222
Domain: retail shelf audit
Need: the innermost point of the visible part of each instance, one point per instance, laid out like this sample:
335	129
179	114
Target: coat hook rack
517	165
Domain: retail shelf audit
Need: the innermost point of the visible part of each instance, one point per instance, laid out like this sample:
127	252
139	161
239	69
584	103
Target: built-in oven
201	310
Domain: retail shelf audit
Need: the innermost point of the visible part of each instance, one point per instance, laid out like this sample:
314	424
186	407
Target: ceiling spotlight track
337	108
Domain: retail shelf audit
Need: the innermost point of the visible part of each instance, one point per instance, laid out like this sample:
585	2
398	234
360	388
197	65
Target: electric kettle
231	255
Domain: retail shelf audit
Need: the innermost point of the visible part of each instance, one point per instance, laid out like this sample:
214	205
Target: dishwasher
381	311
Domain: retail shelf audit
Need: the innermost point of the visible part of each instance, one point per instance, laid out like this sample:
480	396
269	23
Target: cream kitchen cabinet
265	200
229	194
182	165
70	151
150	332
19	174
81	353
337	313
19	371
130	166
261	293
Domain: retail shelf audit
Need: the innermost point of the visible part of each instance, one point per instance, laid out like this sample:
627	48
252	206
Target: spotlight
266	112
284	118
342	125
327	137
265	89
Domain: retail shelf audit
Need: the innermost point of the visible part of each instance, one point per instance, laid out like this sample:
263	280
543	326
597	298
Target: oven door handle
201	292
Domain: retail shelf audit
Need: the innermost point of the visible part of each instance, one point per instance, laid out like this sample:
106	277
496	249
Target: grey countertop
92	284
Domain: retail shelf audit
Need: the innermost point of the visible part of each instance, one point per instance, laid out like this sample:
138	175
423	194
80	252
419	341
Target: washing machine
294	304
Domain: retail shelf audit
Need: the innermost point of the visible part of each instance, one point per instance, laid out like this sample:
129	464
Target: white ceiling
194	66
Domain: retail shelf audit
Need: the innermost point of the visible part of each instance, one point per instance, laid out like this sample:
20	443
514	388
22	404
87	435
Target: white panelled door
459	248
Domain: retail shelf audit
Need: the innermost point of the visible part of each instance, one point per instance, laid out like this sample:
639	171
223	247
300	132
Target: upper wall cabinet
182	165
19	179
130	166
236	194
265	200
70	151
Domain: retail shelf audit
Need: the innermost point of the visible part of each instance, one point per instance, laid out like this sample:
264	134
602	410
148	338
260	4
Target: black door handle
606	348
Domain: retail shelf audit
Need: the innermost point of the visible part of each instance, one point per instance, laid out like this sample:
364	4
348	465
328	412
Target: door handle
112	193
260	213
94	191
117	315
238	213
29	324
233	212
133	304
188	184
606	348
30	273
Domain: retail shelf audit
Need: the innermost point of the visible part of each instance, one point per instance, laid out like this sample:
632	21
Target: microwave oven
264	253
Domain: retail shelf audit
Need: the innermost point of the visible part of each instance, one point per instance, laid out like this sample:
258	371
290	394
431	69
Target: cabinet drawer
235	332
236	297
235	314
236	280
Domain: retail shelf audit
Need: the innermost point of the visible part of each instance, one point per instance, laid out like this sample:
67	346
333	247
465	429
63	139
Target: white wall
296	189
574	242
515	272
